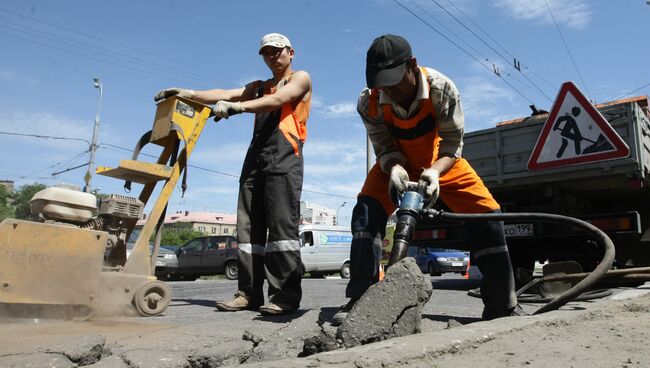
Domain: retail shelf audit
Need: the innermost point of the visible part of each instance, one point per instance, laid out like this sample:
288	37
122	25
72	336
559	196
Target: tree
177	237
22	197
6	208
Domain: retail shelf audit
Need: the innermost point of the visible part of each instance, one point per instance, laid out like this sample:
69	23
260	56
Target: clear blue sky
51	51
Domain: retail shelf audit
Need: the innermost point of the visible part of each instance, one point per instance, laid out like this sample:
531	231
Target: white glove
225	109
397	184
429	182
169	92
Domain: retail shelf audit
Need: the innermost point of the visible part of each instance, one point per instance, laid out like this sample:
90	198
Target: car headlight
169	256
442	259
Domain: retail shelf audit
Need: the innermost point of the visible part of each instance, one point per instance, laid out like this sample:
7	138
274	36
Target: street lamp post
337	212
93	146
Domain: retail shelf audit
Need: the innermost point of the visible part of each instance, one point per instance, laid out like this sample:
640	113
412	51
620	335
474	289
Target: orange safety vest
461	189
293	117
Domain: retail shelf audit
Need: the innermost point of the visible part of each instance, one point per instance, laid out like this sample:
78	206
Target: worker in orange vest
268	210
415	122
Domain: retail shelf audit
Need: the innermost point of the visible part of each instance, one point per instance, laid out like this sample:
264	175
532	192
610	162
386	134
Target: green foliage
6	208
176	237
22	197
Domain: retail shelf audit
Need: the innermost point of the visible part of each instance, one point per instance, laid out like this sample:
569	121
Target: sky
52	50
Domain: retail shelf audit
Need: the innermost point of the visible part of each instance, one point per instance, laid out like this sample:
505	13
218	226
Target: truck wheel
432	270
231	270
152	298
345	270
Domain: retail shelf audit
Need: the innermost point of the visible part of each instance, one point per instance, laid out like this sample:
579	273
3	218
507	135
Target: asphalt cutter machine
72	261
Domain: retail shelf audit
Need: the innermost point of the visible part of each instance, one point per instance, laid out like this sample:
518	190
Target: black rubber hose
599	236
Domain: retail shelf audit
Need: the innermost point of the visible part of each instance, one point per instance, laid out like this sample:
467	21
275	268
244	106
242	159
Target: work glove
397	184
169	92
429	186
225	109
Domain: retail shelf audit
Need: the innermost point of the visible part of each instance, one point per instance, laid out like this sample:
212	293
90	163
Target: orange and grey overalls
461	190
269	200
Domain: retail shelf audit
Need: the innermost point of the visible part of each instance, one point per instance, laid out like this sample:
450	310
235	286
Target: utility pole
337	212
93	146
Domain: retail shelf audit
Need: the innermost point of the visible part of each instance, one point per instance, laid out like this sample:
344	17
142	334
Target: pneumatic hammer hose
600	237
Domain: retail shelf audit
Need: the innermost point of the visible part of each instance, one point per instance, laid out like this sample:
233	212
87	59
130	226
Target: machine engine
72	207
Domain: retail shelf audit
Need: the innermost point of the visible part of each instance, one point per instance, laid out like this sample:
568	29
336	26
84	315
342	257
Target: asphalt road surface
191	332
194	300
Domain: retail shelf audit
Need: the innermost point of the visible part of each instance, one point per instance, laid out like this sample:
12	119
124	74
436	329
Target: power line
497	42
98	59
491	48
143	154
462	49
638	89
111	54
221	172
45	137
115	43
567	47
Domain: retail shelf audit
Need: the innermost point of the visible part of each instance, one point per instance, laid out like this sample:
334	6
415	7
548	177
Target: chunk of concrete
390	308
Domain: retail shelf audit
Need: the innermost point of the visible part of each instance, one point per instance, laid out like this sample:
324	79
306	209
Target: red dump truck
612	194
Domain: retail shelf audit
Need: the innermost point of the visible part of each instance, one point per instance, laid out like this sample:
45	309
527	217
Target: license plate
513	230
457	264
161	263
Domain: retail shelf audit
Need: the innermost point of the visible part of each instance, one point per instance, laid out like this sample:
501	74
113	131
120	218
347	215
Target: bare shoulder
301	76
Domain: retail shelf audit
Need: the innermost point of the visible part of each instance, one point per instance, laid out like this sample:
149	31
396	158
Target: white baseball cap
274	40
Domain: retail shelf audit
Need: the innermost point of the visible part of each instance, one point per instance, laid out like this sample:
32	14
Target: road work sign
575	133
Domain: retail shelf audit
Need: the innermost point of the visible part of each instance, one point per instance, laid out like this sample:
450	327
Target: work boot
516	311
239	302
277	308
343	312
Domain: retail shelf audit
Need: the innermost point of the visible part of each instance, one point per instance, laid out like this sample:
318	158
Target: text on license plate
519	229
456	264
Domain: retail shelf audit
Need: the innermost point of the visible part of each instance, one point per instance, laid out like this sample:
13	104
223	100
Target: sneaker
277	308
239	302
516	311
343	312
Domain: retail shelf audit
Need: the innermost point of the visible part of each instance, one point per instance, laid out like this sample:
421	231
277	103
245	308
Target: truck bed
500	155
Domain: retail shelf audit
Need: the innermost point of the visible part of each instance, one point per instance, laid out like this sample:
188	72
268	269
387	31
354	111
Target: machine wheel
432	270
345	270
152	298
231	270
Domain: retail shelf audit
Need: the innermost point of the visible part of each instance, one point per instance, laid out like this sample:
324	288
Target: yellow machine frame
54	264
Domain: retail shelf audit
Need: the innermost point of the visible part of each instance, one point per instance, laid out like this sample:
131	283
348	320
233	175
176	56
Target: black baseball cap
386	60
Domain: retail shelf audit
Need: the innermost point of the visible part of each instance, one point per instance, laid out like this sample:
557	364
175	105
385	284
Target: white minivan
325	249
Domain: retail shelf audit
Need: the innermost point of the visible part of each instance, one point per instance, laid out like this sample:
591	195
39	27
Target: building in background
209	223
311	213
8	184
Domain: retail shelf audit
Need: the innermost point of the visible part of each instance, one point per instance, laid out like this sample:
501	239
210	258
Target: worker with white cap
268	209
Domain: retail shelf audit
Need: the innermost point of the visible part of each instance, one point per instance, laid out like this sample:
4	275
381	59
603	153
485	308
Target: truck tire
231	270
345	271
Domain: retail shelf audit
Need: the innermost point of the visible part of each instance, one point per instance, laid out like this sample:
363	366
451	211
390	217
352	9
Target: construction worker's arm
451	123
208	97
296	89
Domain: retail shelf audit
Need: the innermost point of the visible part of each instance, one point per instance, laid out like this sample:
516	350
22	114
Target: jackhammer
411	209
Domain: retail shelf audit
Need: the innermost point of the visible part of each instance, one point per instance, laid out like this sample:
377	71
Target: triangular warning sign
575	133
